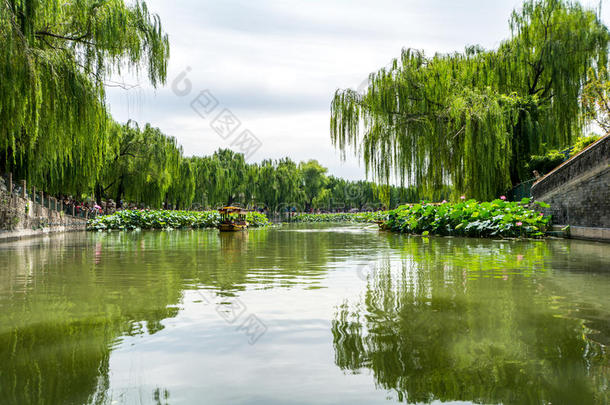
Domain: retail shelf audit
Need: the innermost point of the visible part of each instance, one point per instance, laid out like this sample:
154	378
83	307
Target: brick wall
579	190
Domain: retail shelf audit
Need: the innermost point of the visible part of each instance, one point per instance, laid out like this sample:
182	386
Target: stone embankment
21	217
579	193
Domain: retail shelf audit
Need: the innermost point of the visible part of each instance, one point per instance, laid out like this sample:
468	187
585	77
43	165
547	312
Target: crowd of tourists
92	208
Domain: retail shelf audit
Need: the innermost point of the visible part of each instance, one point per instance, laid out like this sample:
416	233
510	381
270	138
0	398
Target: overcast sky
275	66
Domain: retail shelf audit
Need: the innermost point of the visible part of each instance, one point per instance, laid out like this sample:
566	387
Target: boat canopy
232	210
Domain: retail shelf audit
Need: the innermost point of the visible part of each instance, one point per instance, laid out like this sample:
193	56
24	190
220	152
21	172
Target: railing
40	199
520	191
567	152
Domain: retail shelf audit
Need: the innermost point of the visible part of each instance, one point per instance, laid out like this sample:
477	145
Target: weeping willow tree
158	165
146	167
182	189
471	120
314	182
223	178
55	58
278	184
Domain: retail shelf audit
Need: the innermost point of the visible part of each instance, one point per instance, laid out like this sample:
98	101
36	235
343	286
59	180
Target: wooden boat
232	219
382	225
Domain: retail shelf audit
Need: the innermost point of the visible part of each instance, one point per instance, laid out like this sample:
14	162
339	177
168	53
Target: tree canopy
280	185
55	60
596	99
473	119
147	167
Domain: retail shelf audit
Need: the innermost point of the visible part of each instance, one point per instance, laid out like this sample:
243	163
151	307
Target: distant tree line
149	168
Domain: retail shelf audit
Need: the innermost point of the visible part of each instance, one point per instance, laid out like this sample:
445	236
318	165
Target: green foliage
473	119
182	189
314	182
582	142
225	178
596	98
162	219
543	164
146	166
497	218
55	59
365	217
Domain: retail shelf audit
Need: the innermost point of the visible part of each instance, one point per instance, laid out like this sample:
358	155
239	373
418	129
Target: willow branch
80	39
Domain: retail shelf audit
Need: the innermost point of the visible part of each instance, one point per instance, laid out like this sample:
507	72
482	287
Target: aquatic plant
497	218
164	219
366	217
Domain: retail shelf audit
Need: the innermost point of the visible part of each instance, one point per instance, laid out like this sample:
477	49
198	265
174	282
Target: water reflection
63	311
67	300
448	319
473	321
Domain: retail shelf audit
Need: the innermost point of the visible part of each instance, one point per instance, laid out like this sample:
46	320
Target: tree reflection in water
67	301
456	321
453	319
64	311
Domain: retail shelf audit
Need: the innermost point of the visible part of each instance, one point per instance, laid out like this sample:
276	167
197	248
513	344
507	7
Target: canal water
302	314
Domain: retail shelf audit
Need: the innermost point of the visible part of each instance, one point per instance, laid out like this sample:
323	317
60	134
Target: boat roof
232	210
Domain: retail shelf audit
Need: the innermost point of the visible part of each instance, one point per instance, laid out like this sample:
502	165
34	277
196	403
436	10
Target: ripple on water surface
302	314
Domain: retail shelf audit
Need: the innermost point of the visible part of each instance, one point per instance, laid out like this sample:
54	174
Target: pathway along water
329	314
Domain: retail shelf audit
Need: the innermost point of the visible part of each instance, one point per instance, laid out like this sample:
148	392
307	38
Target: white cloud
277	63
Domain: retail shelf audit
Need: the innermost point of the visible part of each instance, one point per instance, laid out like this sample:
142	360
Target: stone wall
21	217
579	190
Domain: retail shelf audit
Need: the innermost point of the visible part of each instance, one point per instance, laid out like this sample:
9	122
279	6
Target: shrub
545	163
553	158
582	142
